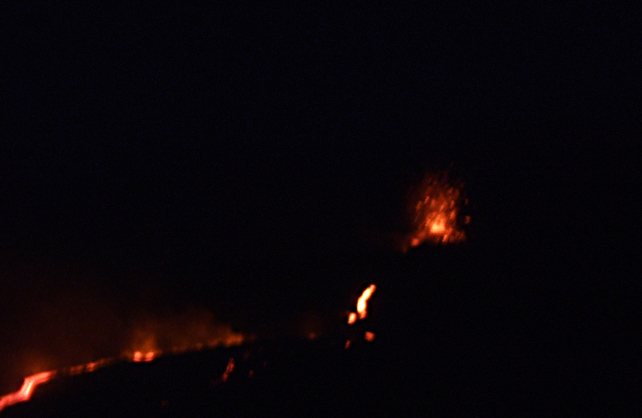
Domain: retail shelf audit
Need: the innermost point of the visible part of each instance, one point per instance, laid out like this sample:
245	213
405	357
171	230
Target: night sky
254	163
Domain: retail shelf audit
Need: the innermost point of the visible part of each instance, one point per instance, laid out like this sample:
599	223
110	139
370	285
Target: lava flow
362	305
27	389
436	212
362	312
139	356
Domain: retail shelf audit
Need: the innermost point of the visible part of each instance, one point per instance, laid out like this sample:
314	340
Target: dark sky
253	161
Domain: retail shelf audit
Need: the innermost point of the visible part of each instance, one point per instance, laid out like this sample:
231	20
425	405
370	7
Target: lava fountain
436	212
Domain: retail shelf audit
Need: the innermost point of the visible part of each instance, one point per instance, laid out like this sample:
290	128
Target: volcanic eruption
436	211
158	342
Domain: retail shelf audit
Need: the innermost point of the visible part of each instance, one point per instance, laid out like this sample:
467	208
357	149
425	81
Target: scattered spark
352	318
436	212
369	336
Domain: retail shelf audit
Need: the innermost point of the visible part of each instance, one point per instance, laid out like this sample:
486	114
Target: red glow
27	389
370	336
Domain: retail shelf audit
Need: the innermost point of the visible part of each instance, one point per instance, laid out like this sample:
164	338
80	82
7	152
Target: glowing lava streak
25	392
228	370
362	303
436	212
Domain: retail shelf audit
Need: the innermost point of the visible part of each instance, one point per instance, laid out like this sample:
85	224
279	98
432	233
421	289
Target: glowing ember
436	212
352	318
228	370
27	389
143	357
362	303
92	366
370	336
77	369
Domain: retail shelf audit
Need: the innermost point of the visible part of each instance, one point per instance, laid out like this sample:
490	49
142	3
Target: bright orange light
352	318
27	389
436	212
143	357
362	303
370	336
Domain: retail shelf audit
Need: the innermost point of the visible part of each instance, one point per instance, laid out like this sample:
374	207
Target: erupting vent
436	212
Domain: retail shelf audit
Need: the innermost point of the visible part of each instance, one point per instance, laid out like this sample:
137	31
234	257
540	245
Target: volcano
442	345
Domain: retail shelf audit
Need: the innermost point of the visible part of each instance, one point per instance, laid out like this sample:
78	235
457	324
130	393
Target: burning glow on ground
436	212
27	389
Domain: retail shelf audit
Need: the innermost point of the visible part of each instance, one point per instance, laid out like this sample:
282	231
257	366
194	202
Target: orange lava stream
31	382
27	389
362	303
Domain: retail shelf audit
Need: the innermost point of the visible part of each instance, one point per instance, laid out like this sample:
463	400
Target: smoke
192	328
